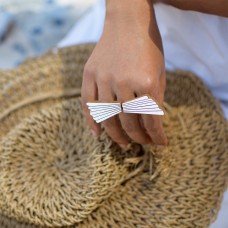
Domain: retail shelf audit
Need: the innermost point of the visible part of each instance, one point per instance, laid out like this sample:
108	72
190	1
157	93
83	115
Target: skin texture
128	62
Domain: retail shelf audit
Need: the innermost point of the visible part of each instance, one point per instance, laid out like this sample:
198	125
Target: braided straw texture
54	174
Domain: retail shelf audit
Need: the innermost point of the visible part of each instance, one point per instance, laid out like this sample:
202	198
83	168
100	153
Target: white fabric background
192	41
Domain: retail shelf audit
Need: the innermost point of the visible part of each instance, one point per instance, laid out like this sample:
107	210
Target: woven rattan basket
53	173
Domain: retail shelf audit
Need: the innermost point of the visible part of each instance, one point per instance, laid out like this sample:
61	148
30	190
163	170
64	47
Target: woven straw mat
53	173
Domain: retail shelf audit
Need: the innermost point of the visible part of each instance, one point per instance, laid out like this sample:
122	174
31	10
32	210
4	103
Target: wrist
134	19
115	7
129	13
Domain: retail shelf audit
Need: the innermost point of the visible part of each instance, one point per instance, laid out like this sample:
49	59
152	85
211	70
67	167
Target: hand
127	62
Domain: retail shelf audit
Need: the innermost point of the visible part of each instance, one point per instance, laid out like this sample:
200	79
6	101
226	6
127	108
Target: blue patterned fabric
38	26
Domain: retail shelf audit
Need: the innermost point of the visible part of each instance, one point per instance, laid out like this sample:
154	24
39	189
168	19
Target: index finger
89	94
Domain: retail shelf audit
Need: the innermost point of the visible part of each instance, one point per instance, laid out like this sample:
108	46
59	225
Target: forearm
133	15
216	7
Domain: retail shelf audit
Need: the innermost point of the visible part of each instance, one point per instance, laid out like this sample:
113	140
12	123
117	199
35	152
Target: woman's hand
126	63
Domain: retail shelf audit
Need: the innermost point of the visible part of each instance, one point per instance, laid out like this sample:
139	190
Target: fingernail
94	133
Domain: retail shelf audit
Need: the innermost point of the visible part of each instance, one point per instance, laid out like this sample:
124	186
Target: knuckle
88	71
148	83
121	82
103	79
